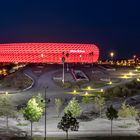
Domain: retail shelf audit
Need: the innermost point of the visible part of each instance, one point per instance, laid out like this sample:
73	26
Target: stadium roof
48	52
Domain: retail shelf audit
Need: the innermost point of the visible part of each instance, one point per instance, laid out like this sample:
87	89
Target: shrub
75	87
67	85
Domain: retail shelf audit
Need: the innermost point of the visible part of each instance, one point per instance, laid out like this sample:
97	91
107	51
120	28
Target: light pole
80	58
134	57
67	55
112	55
91	55
6	93
63	61
45	114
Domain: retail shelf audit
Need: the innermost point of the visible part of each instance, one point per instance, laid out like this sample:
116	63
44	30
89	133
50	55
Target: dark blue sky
111	24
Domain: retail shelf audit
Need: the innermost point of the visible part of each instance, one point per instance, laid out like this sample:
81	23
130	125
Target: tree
99	103
33	111
127	111
138	118
7	108
134	112
86	100
40	101
68	122
74	107
58	104
126	91
111	114
117	91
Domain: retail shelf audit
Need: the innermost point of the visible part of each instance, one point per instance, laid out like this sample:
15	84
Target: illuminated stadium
48	52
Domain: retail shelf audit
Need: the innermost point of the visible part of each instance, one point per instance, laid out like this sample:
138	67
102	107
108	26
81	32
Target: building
48	52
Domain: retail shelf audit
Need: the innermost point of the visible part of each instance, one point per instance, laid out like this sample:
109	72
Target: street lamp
6	93
110	83
138	79
112	55
63	76
86	94
74	91
134	56
88	88
45	114
102	90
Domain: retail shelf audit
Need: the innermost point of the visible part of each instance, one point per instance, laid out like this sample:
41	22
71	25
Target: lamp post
6	93
134	57
45	114
91	55
63	76
67	55
112	55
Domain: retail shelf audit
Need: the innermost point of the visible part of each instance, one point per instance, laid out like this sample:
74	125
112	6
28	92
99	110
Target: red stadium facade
48	52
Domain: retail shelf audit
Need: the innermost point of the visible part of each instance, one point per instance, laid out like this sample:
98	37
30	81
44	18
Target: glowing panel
48	52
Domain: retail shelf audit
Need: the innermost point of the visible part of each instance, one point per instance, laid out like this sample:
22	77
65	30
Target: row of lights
87	93
126	76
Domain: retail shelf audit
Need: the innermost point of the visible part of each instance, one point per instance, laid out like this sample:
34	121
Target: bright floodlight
125	77
86	94
138	67
102	90
110	83
138	79
74	91
130	73
89	88
134	56
111	54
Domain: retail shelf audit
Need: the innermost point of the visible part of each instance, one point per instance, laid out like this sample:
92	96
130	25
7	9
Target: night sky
110	24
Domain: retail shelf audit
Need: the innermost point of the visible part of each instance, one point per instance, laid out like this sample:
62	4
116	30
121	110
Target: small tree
134	112
127	111
7	108
68	122
99	103
40	101
58	104
74	107
86	100
138	118
111	114
32	112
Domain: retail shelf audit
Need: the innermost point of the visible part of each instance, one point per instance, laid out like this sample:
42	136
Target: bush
109	92
117	91
125	90
67	85
75	87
